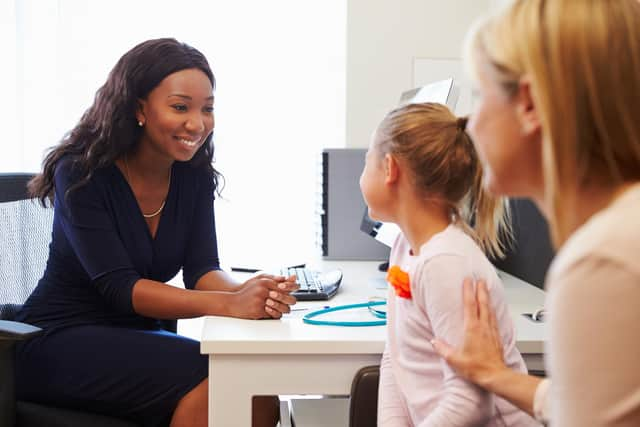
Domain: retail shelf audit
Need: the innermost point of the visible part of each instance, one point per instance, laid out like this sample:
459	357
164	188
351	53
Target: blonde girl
422	173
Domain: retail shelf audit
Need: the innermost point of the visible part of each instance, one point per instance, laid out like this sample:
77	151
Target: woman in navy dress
133	188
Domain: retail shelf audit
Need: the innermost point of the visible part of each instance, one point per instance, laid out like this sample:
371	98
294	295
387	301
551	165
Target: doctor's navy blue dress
96	353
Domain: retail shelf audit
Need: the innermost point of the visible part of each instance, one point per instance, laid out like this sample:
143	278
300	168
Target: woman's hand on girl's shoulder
263	296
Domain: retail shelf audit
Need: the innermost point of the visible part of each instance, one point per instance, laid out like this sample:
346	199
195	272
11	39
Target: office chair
532	251
24	240
363	404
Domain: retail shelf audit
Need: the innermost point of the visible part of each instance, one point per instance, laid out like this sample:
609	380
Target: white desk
273	357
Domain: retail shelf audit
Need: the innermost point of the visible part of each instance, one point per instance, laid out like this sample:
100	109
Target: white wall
384	38
280	90
496	4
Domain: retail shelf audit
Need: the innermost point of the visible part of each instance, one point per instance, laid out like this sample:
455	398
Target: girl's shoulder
452	241
454	254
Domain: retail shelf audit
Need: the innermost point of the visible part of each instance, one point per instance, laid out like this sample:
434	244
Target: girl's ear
391	170
140	115
526	110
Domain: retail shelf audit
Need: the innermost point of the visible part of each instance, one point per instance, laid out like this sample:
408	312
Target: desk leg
235	378
229	398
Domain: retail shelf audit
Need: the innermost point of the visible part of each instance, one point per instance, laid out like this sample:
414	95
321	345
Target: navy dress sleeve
201	255
91	233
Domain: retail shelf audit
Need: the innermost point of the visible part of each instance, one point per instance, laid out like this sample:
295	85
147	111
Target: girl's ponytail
490	216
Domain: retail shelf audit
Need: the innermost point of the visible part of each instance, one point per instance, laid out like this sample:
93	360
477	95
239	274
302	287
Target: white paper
387	233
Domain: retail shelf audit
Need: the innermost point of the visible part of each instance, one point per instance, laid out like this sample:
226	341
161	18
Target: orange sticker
400	281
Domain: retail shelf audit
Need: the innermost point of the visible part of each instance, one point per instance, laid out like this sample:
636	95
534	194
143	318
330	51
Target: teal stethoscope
380	314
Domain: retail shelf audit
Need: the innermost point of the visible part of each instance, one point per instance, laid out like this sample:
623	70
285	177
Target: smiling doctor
133	187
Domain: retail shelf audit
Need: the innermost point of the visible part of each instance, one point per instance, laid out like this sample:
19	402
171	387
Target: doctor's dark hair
445	168
108	129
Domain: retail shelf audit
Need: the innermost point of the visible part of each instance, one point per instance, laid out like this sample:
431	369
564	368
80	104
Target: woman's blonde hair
582	58
445	168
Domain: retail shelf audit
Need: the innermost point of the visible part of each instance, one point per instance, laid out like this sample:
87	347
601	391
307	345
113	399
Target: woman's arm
259	297
480	359
217	280
280	287
593	349
162	301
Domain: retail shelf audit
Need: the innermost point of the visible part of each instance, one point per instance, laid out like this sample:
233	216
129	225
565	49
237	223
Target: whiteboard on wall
427	70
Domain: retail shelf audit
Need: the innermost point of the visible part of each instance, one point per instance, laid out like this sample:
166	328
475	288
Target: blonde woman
558	121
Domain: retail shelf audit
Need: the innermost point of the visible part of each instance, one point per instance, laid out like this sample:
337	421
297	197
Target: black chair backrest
363	406
24	242
24	245
13	186
532	251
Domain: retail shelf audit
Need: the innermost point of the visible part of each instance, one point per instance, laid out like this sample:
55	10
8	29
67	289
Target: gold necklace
151	215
